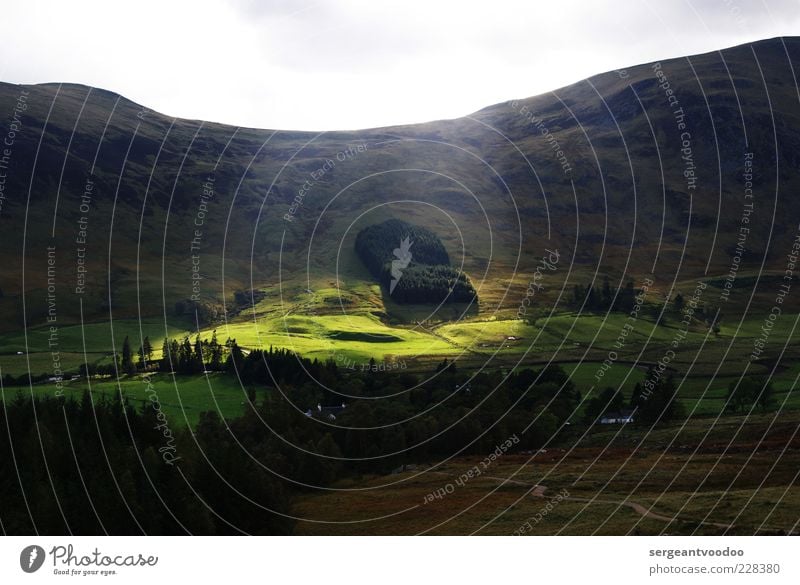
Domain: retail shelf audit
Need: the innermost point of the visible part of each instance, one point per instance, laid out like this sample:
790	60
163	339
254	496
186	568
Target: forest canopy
412	264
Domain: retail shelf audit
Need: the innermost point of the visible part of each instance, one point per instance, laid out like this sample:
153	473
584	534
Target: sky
348	64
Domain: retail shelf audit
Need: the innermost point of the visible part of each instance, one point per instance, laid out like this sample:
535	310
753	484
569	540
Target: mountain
680	170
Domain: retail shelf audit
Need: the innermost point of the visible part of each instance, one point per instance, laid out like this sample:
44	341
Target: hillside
641	173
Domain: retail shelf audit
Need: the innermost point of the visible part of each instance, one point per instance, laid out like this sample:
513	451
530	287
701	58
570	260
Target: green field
31	351
703	365
358	337
182	398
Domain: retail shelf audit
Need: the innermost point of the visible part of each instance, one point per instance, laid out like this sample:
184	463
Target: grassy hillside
135	224
279	210
665	190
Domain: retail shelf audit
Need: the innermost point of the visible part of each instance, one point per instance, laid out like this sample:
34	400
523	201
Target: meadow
703	366
181	398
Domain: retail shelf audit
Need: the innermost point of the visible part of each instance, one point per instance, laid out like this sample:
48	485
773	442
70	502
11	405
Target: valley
573	313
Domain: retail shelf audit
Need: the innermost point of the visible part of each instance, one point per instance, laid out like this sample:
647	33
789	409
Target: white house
617	418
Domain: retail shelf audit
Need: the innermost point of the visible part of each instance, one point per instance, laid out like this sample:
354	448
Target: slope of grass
182	398
358	337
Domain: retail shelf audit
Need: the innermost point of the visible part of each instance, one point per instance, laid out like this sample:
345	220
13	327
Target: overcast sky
358	63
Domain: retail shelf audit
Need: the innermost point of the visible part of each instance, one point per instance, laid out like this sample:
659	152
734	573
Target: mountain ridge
492	174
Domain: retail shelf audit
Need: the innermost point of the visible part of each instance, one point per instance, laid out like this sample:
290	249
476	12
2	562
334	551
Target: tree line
423	284
181	356
92	466
604	298
653	401
427	277
607	298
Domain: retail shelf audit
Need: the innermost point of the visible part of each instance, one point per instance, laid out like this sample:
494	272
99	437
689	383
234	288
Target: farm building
325	412
617	418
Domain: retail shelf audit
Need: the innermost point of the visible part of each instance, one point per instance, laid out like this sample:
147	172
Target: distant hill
641	173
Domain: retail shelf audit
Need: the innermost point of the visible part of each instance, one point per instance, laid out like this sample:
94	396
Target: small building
325	412
617	418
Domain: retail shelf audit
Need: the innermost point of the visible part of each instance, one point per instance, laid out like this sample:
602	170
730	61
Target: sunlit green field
324	328
358	337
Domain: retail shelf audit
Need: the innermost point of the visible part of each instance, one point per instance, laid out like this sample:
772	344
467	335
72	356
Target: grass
97	336
152	269
599	489
621	376
42	362
76	344
182	398
357	337
317	328
638	467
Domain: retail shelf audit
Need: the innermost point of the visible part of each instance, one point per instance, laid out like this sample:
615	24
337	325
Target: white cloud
358	63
